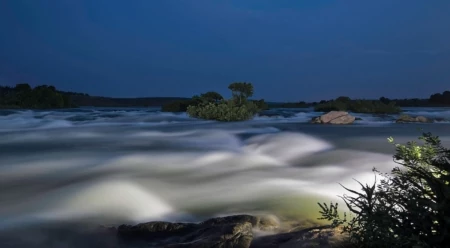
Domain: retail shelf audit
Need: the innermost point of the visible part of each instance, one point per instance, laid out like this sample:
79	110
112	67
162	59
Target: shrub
182	105
331	106
176	106
261	104
358	106
211	106
223	111
409	208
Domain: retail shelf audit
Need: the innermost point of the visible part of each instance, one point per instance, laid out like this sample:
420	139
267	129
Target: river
128	165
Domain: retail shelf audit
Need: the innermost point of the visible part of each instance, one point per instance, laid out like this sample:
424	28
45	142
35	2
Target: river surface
113	166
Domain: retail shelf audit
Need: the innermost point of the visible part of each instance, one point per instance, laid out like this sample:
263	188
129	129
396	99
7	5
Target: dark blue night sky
290	50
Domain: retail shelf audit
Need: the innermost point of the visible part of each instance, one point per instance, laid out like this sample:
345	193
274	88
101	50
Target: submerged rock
408	119
334	117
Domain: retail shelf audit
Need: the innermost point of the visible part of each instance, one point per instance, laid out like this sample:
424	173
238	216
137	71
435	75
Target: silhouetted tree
439	98
384	100
241	91
344	99
212	96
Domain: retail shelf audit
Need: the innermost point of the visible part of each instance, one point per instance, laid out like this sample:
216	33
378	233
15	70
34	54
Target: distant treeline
98	101
435	100
40	97
300	104
48	97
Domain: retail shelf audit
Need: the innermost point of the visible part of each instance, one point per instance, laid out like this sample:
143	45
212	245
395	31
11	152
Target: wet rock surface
334	117
237	231
409	119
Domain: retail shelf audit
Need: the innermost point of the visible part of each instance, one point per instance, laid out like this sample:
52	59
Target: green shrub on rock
409	208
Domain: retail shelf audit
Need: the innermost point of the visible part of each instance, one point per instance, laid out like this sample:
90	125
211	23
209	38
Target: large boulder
409	119
231	231
335	117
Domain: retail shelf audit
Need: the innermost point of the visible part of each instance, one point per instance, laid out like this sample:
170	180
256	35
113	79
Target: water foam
113	199
286	146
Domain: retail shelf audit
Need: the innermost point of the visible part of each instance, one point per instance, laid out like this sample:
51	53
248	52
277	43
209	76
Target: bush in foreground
409	208
358	106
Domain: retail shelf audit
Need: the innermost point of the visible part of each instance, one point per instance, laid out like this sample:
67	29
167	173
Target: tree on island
238	108
212	96
241	91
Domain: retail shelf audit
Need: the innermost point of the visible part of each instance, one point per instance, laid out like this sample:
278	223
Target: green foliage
241	91
224	111
261	104
300	104
409	208
211	96
344	99
358	106
439	98
40	97
210	106
182	105
331	106
176	106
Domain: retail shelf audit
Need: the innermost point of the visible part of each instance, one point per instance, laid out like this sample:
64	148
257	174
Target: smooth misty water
113	166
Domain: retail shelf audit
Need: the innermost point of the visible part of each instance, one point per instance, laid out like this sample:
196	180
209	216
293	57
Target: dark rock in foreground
238	231
232	231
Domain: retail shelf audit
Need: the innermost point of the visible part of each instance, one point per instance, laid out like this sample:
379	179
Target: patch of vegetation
182	105
176	106
439	98
39	97
410	207
358	106
290	105
238	108
261	104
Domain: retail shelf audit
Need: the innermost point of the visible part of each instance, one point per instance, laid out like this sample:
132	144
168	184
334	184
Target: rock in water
223	232
335	117
407	119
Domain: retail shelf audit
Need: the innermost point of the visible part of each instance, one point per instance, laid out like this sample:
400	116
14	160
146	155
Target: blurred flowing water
114	166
